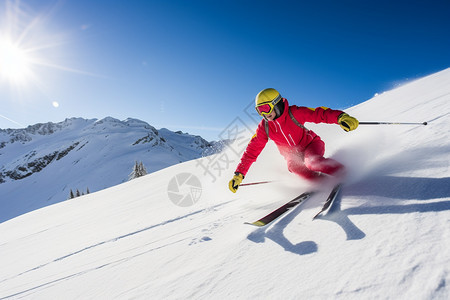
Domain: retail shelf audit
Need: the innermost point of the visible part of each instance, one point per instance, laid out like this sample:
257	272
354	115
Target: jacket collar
285	111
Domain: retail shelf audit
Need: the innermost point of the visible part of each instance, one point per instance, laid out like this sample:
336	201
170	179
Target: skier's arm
254	148
316	115
325	115
251	153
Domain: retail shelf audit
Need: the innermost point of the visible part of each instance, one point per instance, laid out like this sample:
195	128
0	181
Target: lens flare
29	47
14	62
32	50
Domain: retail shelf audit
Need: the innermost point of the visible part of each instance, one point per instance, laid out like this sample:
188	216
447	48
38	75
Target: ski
330	199
281	210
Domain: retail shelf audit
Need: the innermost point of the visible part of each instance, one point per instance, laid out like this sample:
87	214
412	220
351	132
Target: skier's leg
297	166
314	160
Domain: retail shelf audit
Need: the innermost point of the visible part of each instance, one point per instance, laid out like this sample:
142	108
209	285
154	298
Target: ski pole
254	183
391	123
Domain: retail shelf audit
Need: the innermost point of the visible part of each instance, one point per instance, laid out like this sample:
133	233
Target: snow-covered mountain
386	237
40	164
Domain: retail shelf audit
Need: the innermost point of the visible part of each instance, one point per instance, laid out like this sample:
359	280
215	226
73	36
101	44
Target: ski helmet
267	100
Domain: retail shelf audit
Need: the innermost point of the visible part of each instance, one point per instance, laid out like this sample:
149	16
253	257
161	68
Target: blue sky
196	65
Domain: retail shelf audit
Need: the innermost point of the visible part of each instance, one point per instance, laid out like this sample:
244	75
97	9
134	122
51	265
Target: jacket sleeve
316	115
254	148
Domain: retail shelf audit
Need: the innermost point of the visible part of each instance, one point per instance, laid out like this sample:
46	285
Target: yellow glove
347	122
235	182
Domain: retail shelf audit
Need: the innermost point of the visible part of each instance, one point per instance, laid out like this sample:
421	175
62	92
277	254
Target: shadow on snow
388	193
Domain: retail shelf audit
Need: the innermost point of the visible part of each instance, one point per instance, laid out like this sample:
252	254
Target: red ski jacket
286	134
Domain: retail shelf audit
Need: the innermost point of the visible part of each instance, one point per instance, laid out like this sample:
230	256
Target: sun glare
28	45
14	62
32	53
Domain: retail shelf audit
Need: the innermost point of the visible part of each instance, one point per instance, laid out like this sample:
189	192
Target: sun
15	64
29	47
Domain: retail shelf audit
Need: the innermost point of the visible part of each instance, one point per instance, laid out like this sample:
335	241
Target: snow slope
386	237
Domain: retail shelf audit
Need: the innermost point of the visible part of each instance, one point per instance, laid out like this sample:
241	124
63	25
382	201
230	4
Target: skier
302	148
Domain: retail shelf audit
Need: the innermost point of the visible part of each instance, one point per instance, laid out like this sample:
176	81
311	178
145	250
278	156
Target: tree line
138	170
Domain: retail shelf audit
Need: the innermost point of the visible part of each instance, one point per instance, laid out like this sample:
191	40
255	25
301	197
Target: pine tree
71	195
133	174
142	170
138	171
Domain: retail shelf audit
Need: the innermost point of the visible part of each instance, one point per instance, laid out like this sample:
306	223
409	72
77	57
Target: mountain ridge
38	155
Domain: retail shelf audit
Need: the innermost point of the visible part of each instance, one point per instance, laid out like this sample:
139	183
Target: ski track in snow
195	240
